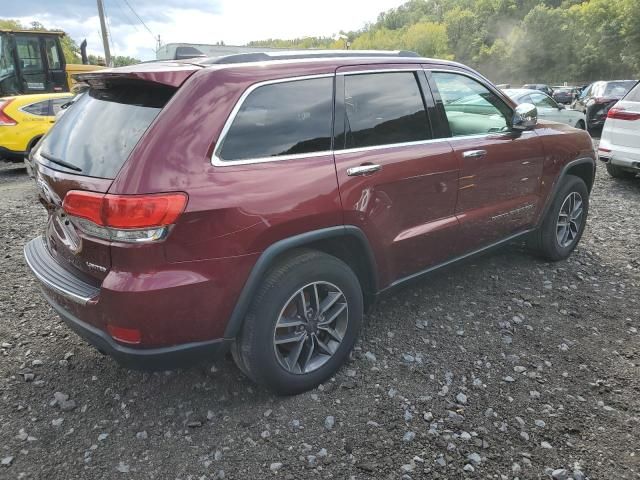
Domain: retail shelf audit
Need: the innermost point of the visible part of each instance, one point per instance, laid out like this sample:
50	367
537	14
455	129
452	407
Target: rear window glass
284	118
634	94
383	109
98	132
39	108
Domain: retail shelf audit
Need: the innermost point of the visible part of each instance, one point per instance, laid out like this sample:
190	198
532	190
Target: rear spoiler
171	74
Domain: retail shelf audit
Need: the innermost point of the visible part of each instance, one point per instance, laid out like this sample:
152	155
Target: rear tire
563	226
617	172
329	292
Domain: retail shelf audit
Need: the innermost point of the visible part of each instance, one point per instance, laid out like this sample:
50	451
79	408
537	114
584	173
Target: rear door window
470	107
96	136
41	109
280	119
383	109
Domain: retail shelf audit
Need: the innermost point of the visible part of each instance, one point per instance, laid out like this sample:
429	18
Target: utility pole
105	39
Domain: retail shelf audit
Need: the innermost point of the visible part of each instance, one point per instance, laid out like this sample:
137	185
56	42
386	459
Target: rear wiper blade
58	161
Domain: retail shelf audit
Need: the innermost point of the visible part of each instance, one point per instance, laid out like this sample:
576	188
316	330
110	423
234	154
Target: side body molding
266	259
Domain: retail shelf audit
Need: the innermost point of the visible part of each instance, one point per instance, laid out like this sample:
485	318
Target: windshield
6	61
98	132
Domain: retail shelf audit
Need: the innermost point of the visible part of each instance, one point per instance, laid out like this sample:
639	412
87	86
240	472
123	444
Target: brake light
619	113
125	335
127	218
6	120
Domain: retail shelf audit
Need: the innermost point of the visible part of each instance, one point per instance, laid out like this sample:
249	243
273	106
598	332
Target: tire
285	290
580	124
617	172
545	240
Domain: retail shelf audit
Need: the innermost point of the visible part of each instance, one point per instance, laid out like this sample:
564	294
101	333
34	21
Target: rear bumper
164	358
623	157
74	299
13	155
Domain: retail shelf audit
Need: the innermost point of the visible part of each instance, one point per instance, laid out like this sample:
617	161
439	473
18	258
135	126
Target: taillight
619	113
6	120
124	218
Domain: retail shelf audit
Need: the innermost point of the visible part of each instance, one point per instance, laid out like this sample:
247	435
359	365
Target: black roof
305	54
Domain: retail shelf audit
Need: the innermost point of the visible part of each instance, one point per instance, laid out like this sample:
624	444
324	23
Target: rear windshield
95	136
613	89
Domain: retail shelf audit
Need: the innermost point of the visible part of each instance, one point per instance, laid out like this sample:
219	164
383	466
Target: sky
235	22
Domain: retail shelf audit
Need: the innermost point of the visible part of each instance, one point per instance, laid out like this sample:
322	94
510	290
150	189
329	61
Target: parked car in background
548	108
503	86
24	119
269	218
596	100
565	95
539	86
619	144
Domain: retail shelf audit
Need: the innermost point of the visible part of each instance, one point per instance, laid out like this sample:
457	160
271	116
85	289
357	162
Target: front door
500	169
397	183
31	64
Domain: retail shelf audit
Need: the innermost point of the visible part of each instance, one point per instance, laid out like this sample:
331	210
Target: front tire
302	323
563	226
580	124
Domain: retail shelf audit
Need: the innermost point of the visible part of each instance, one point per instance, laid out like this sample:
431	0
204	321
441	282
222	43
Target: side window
56	103
634	94
39	108
284	118
543	101
471	108
525	99
383	109
52	54
29	54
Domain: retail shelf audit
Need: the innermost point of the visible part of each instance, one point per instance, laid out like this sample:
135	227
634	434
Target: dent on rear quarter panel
562	144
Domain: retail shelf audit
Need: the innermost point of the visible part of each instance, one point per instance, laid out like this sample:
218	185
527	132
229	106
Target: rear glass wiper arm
58	161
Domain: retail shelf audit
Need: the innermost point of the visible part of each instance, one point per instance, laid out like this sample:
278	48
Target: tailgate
88	146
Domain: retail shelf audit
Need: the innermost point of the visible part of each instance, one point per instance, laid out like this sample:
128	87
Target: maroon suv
261	202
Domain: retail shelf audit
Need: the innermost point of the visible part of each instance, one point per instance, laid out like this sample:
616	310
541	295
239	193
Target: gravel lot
505	367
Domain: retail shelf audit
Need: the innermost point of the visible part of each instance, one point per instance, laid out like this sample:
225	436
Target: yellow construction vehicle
32	61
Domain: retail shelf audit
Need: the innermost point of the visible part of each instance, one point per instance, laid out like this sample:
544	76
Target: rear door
500	169
397	183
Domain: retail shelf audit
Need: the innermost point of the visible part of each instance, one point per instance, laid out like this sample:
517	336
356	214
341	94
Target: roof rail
304	54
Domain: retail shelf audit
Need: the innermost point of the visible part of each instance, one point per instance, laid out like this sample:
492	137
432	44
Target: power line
140	19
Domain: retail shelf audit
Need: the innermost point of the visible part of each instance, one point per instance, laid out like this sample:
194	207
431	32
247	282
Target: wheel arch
346	242
33	142
584	168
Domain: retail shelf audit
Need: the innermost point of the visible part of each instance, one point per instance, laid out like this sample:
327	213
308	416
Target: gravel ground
506	367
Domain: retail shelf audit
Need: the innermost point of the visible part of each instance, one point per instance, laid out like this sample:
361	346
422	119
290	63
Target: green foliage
510	41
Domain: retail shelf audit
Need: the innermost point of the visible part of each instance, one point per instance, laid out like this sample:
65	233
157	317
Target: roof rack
304	54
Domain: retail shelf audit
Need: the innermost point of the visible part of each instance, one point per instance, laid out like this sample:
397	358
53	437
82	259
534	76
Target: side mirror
525	117
561	106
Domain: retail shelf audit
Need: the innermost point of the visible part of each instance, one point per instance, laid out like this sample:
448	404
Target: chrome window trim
411	68
217	161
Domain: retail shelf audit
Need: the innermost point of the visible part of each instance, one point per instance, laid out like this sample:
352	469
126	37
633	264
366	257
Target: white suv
620	142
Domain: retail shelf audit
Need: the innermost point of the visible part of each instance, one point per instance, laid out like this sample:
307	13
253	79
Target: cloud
235	22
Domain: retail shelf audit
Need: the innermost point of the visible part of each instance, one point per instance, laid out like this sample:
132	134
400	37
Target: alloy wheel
569	220
310	327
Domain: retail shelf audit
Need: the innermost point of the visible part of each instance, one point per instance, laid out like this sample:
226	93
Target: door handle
474	153
363	170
